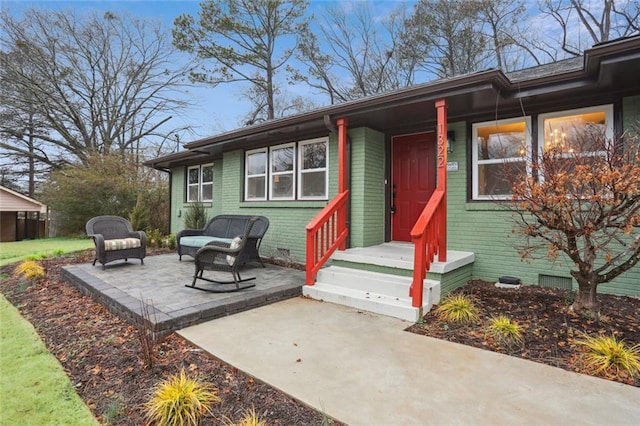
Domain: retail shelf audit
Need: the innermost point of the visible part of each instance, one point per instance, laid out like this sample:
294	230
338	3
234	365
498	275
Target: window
256	175
200	183
282	172
288	172
500	151
313	170
581	132
572	139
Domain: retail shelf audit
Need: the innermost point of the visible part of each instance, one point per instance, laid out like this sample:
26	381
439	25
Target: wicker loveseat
115	239
223	229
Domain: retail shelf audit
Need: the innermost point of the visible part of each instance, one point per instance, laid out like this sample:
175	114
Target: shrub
609	356
30	270
458	308
139	216
172	242
503	329
195	216
155	238
180	400
107	185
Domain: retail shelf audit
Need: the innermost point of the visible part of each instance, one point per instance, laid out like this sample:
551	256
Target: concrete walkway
363	369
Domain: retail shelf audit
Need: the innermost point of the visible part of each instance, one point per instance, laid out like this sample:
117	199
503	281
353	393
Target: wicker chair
224	227
221	256
115	239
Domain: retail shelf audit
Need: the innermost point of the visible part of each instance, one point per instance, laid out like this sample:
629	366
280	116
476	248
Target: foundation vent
555	282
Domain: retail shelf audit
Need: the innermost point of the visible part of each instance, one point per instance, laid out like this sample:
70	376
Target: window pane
576	133
282	159
192	193
502	141
207	192
313	184
194	175
256	163
314	156
207	174
494	179
256	187
282	186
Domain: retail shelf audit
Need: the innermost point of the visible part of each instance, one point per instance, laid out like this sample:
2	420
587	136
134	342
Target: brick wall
485	229
367	188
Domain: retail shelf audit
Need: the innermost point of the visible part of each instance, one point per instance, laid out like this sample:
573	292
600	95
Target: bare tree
96	85
588	22
354	55
585	205
446	38
24	122
242	41
500	21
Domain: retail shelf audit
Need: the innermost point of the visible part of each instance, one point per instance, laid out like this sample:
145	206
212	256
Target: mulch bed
103	357
550	329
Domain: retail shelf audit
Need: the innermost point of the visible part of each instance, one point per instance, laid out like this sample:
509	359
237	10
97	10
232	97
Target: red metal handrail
326	232
427	239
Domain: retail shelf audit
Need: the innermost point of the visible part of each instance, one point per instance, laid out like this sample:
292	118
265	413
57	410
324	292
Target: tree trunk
586	299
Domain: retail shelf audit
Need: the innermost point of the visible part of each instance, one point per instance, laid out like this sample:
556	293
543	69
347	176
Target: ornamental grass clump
249	418
611	357
458	308
179	401
30	270
502	329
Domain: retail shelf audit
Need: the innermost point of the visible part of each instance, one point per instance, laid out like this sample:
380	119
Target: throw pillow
235	243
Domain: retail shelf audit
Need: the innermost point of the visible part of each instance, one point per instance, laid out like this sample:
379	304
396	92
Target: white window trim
296	175
199	184
301	171
606	108
475	162
247	175
190	185
292	172
203	183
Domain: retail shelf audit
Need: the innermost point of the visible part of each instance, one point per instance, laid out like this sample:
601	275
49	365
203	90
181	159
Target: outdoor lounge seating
223	229
115	239
222	256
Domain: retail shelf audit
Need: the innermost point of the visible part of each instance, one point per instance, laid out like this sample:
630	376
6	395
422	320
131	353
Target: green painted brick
367	188
480	227
485	229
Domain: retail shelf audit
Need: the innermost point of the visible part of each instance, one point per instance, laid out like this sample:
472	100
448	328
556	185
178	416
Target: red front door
413	180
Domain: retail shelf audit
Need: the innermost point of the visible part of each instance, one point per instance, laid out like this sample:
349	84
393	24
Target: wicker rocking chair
220	256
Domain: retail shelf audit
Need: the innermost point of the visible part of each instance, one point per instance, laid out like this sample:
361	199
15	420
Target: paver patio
160	284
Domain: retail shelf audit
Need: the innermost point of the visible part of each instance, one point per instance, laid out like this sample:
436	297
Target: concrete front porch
160	284
377	279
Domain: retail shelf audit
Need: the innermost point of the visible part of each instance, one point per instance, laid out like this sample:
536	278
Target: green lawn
34	387
46	247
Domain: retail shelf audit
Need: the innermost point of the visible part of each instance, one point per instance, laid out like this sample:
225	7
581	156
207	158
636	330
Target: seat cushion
122	244
202	240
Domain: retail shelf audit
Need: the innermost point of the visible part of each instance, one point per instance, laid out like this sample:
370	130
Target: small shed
21	217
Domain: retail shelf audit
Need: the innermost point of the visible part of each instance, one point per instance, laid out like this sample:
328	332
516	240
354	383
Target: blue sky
214	110
221	109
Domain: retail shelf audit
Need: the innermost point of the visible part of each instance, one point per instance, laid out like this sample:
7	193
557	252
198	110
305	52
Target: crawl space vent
554	282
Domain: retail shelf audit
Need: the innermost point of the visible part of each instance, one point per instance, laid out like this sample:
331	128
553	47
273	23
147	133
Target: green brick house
348	184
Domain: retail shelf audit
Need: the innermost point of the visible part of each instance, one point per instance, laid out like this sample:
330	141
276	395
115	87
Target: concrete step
368	281
372	302
397	258
376	292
